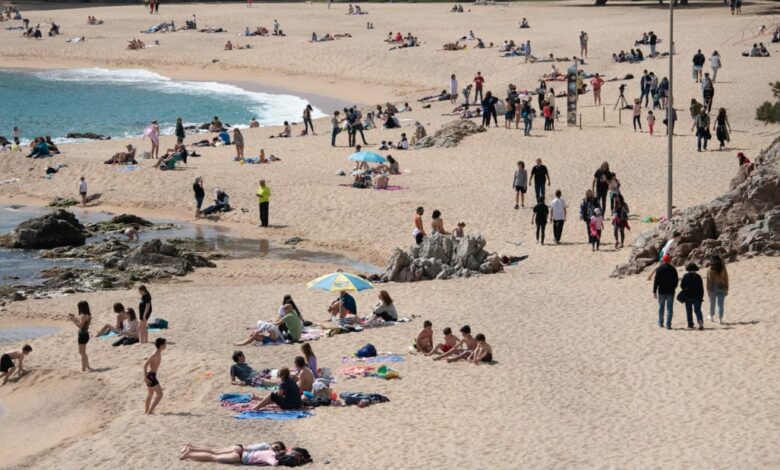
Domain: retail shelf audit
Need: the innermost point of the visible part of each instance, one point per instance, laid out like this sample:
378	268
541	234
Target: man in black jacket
664	285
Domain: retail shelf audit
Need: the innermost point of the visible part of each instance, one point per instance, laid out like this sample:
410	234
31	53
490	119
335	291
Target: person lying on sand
123	158
424	341
453	46
242	373
483	352
463	349
450	341
7	366
76	40
287	398
273	455
443	96
135	44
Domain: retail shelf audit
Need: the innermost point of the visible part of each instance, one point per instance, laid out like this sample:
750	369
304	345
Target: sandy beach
583	377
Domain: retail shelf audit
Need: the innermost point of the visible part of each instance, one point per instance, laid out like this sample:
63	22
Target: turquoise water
121	103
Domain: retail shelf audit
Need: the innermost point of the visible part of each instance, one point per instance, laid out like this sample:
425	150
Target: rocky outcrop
442	257
450	135
87	135
157	259
58	228
63	202
744	221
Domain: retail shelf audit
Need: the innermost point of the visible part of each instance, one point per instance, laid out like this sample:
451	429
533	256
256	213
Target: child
151	366
650	121
596	226
83	191
483	352
548	118
7	367
637	111
311	359
463	349
520	183
424	341
450	341
459	230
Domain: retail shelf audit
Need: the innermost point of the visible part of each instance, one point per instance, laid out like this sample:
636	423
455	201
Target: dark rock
157	259
744	220
87	135
63	202
293	241
18	297
58	228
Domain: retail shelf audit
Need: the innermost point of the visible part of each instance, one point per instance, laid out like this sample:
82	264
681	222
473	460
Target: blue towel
274	415
236	397
111	334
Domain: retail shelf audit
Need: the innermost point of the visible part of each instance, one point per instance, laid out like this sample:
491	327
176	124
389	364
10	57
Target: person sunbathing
263	332
123	158
453	46
275	454
443	96
287	398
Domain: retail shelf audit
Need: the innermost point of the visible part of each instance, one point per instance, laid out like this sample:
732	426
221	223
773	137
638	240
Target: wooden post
580	121
620	116
604	114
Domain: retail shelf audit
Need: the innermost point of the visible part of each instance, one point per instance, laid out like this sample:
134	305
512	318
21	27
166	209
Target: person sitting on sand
287	398
524	24
459	229
39	149
121	316
290	323
453	46
256	454
135	44
384	309
123	158
129	333
463	349
483	351
286	132
450	341
263	332
242	373
303	375
7	366
221	203
343	305
229	46
424	341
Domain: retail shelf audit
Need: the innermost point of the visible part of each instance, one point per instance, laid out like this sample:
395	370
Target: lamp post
670	113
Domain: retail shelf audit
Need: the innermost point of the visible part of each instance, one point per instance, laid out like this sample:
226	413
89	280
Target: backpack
366	351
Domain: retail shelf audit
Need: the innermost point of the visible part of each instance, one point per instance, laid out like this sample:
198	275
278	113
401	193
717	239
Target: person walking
558	216
540	175
583	44
715	64
479	81
698	65
620	220
717	286
307	123
650	121
707	91
596	227
527	113
335	128
664	286
702	126
722	128
200	193
587	207
527	51
539	217
238	141
520	183
263	200
692	294
600	184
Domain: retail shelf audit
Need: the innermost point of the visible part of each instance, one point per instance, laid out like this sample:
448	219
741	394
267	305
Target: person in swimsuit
450	341
462	349
153	132
82	323
311	359
424	341
144	313
419	232
263	454
287	398
7	366
437	224
151	366
483	352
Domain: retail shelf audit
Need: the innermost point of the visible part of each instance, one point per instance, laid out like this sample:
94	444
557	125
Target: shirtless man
483	352
151	366
419	232
7	367
463	349
450	341
424	341
304	376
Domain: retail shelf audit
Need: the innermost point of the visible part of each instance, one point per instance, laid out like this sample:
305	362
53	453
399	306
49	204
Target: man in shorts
151	366
520	183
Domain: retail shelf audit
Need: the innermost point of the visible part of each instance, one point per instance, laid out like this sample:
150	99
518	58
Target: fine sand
584	378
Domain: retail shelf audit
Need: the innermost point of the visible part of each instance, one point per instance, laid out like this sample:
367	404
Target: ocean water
121	103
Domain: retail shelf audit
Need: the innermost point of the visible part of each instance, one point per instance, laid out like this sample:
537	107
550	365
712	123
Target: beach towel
392	188
274	415
357	371
381	358
111	334
235	397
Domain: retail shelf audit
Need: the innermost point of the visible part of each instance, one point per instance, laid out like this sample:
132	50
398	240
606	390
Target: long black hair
83	308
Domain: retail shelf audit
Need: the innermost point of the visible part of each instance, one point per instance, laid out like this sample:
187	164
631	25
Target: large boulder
156	259
58	228
745	220
442	257
450	134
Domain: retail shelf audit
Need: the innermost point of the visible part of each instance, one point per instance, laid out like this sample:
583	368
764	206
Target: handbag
681	296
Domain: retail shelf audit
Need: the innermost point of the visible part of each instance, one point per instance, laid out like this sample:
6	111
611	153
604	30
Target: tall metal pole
670	112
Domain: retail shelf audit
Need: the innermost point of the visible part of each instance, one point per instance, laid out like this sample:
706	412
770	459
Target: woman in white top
715	64
129	334
384	309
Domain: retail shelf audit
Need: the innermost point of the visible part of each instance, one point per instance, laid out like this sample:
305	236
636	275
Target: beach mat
275	415
111	334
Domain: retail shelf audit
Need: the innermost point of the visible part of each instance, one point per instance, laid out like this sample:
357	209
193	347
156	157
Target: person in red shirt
478	81
596	83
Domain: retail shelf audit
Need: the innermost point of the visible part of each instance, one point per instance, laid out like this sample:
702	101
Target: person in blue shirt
224	137
343	305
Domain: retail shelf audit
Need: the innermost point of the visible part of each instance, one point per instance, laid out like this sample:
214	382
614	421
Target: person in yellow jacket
263	199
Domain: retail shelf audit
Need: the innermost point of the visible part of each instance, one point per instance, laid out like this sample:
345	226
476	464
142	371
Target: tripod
621	101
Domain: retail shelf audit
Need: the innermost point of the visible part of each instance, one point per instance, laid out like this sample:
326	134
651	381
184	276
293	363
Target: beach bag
681	296
366	351
160	324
